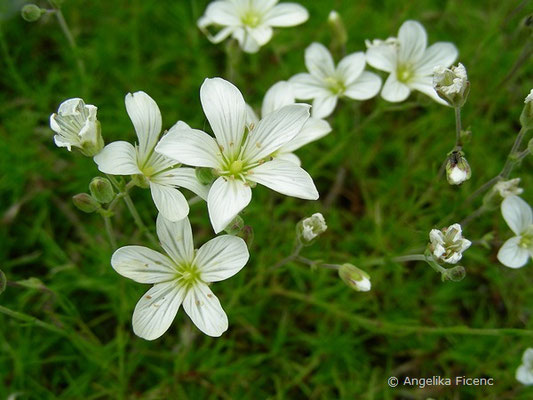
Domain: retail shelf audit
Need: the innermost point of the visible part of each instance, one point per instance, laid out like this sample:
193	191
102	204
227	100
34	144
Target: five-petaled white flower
279	95
76	126
524	373
150	169
181	276
516	251
325	83
448	244
240	156
410	62
250	22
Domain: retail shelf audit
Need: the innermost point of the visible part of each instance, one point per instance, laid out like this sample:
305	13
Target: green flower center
335	85
251	19
189	275
236	167
404	73
526	241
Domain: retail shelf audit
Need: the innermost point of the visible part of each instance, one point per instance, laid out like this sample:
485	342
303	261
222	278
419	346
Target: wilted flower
409	61
508	188
457	168
524	373
240	155
149	168
181	276
250	22
451	84
355	278
310	228
279	95
526	118
448	244
516	251
76	126
325	83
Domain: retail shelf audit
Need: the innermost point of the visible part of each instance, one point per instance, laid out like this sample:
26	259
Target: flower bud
102	190
355	278
526	118
340	37
508	188
204	175
451	84
31	12
308	229
457	168
235	226
448	244
85	203
454	274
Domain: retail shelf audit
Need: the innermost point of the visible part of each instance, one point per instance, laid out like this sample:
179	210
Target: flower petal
382	57
287	14
366	86
286	178
425	85
117	158
261	34
393	90
323	106
412	40
517	213
142	264
512	255
226	198
440	53
169	201
146	118
307	86
182	177
251	116
246	40
225	109
190	146
289	157
221	258
279	95
274	130
318	61
351	66
176	238
204	309
221	12
156	310
313	129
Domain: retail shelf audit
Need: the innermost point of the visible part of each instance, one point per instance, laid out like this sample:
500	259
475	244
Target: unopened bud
355	278
235	226
451	84
31	12
308	229
526	118
102	190
454	274
85	202
247	234
338	31
457	168
205	175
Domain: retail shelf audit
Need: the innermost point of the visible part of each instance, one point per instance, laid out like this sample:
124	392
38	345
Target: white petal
117	158
169	201
383	57
156	310
146	118
221	258
318	61
312	130
323	106
286	14
307	86
524	375
351	66
225	109
512	255
261	34
366	86
246	41
190	146
222	13
517	213
262	6
440	53
279	95
289	157
393	90
226	198
176	239
182	177
204	309
275	130
251	116
286	178
412	40
142	264
425	85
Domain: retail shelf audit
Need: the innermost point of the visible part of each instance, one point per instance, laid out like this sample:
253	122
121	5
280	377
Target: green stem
109	231
458	141
138	221
314	263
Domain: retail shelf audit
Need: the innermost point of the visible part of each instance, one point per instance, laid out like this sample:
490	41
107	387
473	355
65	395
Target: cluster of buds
457	168
308	229
451	84
101	193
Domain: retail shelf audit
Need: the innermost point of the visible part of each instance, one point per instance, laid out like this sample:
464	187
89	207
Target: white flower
240	156
508	188
160	173
448	244
76	126
516	251
524	373
279	95
410	62
181	276
451	84
250	22
529	97
312	227
325	83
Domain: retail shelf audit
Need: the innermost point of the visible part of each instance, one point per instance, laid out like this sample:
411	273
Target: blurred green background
295	333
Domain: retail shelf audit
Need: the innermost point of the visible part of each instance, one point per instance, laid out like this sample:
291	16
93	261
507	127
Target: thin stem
314	263
110	232
295	253
409	257
458	141
137	218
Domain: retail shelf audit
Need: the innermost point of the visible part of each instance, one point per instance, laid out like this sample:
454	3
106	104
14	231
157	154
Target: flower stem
109	231
137	218
458	141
